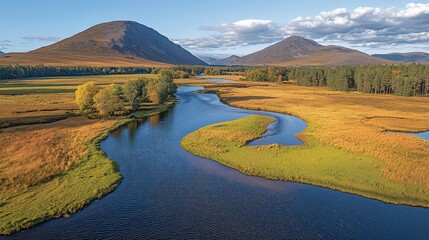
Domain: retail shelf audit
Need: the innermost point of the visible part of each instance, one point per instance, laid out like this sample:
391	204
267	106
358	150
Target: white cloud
367	26
240	33
42	38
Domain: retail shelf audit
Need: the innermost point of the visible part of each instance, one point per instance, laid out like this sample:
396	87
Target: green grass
312	163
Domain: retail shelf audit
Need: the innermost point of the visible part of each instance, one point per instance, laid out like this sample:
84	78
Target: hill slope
112	43
405	57
299	51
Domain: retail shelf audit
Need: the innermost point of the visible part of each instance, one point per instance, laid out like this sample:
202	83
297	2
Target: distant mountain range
127	43
299	51
1	53
115	43
421	57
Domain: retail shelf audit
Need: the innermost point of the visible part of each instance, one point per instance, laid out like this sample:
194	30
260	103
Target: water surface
424	135
168	193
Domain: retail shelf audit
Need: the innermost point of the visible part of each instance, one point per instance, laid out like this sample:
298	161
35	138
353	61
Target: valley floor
51	164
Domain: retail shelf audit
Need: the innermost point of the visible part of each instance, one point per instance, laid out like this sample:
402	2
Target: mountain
1	53
299	51
208	59
228	61
405	57
114	43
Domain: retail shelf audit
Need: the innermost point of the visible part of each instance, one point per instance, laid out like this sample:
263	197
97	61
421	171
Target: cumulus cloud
4	44
42	38
367	26
240	33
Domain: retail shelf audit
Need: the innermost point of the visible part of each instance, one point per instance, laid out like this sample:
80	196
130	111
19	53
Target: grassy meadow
345	145
50	161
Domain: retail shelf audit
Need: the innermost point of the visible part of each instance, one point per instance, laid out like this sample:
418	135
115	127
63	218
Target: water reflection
215	168
132	128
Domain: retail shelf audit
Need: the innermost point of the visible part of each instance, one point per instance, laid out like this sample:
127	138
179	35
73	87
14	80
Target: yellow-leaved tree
107	101
85	96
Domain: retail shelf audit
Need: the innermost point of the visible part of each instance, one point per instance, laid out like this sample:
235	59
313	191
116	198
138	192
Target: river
168	193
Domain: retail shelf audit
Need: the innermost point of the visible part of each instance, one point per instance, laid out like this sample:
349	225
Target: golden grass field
50	162
354	123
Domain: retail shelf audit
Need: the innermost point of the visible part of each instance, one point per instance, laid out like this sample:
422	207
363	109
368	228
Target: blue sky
225	27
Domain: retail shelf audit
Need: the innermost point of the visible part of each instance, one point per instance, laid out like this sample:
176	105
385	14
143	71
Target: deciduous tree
85	96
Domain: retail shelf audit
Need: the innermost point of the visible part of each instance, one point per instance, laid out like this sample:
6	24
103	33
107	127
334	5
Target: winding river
168	193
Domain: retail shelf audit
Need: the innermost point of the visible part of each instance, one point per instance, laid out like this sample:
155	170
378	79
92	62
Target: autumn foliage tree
160	89
85	96
107	101
110	100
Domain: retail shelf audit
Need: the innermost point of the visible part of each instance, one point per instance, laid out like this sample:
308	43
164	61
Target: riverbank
91	176
51	163
341	151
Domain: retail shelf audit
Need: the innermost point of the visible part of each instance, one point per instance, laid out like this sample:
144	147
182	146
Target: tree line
27	71
404	80
208	70
30	71
266	74
112	99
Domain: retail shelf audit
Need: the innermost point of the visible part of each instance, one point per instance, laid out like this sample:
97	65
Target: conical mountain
112	43
299	51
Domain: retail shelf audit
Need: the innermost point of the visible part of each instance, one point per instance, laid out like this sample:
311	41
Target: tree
135	92
85	96
152	92
159	90
166	82
107	101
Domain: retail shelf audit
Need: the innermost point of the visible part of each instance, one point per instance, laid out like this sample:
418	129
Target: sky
225	27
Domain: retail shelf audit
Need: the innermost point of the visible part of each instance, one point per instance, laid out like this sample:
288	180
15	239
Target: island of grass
313	162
